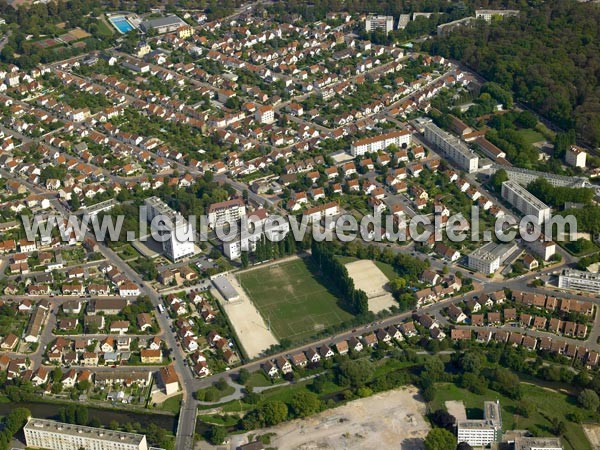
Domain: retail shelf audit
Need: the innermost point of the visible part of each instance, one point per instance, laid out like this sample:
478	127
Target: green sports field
294	298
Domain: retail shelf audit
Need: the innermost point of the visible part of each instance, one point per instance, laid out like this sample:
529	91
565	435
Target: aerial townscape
300	224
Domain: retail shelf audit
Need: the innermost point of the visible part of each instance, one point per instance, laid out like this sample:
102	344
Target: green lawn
531	136
172	404
548	403
387	269
294	298
258	379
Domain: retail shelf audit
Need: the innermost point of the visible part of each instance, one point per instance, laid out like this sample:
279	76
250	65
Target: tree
443	419
471	362
589	400
217	435
499	177
274	412
244	259
354	372
243	376
464	446
305	403
433	369
440	439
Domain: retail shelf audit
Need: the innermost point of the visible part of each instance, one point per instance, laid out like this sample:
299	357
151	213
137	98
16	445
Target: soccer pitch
293	299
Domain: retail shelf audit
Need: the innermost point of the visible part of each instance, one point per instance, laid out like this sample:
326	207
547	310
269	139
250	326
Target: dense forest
549	57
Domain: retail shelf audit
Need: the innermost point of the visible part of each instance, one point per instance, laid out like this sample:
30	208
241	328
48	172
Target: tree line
353	300
558	195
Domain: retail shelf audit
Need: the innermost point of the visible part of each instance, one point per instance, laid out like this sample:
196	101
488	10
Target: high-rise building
384	23
452	148
229	211
525	201
177	234
479	433
48	434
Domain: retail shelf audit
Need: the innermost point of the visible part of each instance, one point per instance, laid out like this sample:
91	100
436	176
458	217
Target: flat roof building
452	148
489	258
162	24
489	14
537	443
479	433
229	211
176	233
376	143
526	176
48	434
525	201
225	288
384	23
579	280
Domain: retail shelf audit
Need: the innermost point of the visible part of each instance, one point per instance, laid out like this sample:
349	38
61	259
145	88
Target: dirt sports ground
251	329
390	420
369	278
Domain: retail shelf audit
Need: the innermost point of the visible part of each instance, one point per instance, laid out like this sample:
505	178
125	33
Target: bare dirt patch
593	434
392	419
369	278
250	327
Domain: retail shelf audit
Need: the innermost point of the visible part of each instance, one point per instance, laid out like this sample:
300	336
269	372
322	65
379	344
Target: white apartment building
384	23
479	433
489	258
377	143
319	212
543	248
526	176
272	230
525	201
48	434
177	234
452	148
226	212
488	14
579	280
575	156
265	114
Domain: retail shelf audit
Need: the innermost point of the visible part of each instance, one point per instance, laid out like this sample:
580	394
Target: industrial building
452	148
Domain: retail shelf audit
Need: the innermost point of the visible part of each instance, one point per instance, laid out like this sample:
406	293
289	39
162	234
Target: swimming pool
122	24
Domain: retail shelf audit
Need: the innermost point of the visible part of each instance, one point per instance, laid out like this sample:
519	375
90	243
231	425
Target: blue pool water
121	24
